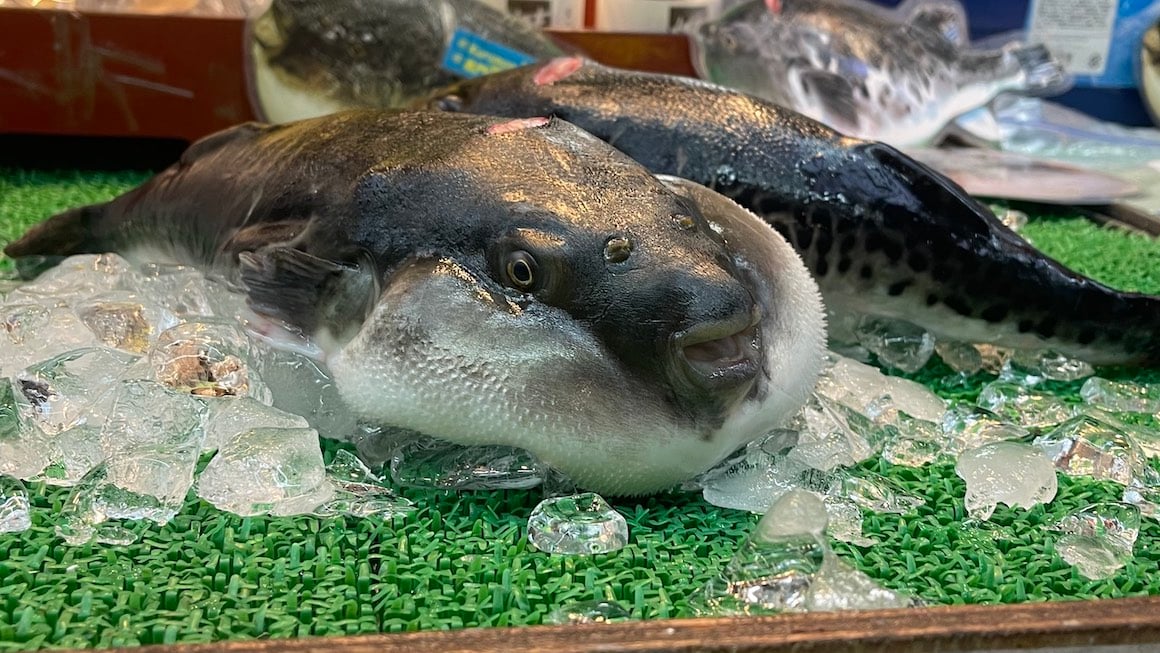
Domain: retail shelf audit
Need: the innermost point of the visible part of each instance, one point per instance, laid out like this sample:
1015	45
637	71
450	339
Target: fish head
729	50
587	313
652	283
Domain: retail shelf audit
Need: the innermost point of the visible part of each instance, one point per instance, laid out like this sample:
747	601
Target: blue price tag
471	55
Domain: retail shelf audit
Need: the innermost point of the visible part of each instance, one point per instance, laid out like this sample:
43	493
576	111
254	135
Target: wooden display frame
1105	626
181	75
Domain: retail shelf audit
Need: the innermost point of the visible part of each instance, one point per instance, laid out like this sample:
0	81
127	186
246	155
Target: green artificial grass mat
462	559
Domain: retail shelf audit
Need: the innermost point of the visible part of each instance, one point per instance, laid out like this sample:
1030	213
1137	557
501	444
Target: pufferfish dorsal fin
313	296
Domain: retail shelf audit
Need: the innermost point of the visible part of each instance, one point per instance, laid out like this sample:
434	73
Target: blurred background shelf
182	75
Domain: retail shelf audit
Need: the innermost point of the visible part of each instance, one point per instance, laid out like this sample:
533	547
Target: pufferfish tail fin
64	234
1042	73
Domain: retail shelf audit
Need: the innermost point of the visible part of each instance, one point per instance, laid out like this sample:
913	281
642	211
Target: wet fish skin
854	66
377	241
308	58
883	234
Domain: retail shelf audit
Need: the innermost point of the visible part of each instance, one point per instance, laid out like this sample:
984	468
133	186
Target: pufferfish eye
521	270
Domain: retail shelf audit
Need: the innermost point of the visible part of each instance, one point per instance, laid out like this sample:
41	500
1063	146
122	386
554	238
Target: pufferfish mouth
722	355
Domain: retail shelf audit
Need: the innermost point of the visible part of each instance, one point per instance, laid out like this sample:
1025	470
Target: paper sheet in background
545	14
1051	132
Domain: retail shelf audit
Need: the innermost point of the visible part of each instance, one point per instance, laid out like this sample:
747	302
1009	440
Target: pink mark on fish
557	69
774	6
517	125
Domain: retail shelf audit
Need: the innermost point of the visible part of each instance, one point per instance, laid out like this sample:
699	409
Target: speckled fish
310	58
855	67
488	281
883	234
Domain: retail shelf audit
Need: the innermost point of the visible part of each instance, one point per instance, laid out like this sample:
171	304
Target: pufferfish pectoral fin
834	94
306	294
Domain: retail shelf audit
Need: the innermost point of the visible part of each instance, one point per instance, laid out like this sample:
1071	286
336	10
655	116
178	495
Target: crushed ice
123	382
1098	539
786	565
119	381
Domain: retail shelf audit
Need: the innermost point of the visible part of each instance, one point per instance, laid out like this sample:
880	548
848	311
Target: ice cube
961	357
878	396
1122	397
181	290
773	568
1089	446
849	437
579	524
325	501
966	426
1011	473
377	444
916	400
208	358
229	417
14	506
264	470
301	387
845	521
1146	497
78	276
797	512
756	481
838	586
1147	438
358	491
24	449
1016	404
62	332
873	492
23	321
70	389
1030	367
114	534
97	498
913	442
588	612
72	454
1099	539
121	320
152	440
431	463
849	381
898	344
826	454
994	358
